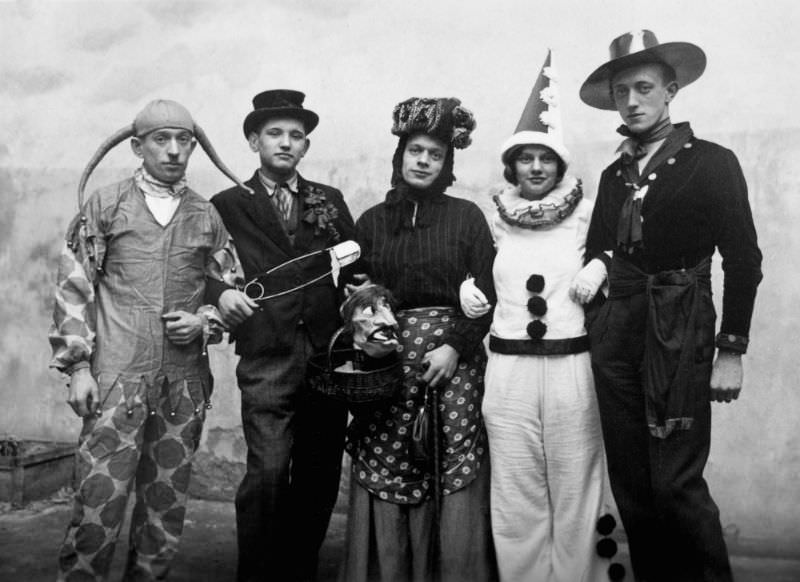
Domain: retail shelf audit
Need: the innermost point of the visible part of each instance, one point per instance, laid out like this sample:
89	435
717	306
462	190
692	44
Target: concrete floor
29	540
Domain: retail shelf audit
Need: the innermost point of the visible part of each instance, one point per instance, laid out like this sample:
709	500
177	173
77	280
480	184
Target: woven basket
361	387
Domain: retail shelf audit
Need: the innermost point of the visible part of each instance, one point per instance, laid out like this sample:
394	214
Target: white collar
156	188
271	186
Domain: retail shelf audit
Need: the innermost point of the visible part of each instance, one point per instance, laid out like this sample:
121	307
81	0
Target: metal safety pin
343	253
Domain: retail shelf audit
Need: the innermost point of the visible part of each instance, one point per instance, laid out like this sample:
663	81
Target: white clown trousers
548	473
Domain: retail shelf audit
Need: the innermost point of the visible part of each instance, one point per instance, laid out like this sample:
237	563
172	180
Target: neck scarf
634	147
156	188
409	208
629	227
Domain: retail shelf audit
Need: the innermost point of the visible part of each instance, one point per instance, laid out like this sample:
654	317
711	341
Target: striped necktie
284	201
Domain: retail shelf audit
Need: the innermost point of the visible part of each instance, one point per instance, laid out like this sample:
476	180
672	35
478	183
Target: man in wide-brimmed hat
130	331
663	208
294	437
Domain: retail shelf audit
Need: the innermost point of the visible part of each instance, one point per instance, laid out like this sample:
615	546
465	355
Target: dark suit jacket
262	243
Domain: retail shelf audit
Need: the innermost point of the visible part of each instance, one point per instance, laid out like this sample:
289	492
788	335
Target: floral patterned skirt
381	442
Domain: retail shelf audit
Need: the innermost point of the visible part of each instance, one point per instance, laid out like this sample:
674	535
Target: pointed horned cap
161	114
540	122
158	114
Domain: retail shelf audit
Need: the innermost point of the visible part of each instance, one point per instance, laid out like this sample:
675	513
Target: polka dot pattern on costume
172	521
170	453
96	490
112	514
104	442
103	556
153	540
381	444
89	538
180	478
159	496
136	436
122	465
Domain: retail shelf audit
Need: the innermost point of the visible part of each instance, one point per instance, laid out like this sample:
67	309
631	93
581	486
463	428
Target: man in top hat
130	330
663	207
294	437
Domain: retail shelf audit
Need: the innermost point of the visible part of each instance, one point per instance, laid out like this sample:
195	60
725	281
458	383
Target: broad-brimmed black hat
279	103
637	48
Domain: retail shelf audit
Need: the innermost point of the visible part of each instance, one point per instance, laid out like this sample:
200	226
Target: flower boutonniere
320	213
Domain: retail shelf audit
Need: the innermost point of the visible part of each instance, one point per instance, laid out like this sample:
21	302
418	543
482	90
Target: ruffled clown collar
559	203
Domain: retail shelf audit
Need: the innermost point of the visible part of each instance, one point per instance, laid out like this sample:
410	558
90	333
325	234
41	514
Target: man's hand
84	395
473	301
362	281
442	363
726	377
235	306
182	327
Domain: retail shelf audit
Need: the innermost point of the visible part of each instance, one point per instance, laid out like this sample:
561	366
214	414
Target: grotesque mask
368	316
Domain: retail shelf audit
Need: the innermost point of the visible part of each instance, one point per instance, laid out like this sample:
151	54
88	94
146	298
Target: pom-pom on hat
279	103
641	47
540	123
442	117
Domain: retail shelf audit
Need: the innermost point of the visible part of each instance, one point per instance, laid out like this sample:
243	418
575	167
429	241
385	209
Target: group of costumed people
522	470
538	357
526	435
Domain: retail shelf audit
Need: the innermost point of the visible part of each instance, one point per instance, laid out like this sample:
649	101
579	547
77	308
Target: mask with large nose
369	317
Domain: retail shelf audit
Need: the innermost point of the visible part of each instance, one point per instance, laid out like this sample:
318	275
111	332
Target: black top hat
279	103
637	48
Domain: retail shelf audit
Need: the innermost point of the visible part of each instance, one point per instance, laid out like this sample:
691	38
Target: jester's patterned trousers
147	433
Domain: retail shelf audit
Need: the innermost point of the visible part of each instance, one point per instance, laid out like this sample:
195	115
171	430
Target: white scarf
161	198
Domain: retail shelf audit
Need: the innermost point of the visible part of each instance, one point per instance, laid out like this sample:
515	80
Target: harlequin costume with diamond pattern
153	393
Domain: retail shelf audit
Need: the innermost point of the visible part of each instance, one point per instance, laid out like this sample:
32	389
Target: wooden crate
31	469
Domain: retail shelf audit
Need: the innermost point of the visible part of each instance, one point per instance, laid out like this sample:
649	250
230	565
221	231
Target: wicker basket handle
331	343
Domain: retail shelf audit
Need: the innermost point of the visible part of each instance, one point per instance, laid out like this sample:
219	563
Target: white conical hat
540	123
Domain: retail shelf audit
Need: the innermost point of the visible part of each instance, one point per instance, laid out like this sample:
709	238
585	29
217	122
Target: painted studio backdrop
71	73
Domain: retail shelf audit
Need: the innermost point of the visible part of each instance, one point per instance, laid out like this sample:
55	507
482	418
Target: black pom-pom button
536	329
606	548
537	306
606	524
535	284
616	572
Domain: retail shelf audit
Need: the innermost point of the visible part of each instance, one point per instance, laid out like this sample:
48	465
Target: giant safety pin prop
342	254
